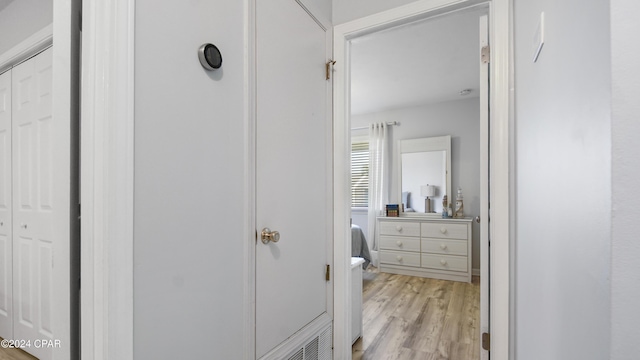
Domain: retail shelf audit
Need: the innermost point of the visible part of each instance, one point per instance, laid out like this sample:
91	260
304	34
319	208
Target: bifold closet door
6	261
33	208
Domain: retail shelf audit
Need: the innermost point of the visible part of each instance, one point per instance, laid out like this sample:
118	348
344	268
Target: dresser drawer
401	228
444	230
400	243
400	258
444	262
443	246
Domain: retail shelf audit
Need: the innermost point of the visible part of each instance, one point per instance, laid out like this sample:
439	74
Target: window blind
360	174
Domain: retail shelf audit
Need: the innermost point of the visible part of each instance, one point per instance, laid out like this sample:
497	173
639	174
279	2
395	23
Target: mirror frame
436	143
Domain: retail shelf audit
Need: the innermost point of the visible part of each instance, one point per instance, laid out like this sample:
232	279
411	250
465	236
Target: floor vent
299	355
318	348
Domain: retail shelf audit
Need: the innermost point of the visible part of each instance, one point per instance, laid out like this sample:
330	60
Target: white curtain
378	194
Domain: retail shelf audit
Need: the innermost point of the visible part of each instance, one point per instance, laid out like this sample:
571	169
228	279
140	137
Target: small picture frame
393	210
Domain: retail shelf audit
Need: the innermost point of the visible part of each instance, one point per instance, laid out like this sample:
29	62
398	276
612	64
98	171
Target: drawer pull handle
399	243
443	246
399	228
399	258
443	230
443	262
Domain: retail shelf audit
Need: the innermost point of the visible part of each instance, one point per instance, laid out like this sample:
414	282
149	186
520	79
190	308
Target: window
360	173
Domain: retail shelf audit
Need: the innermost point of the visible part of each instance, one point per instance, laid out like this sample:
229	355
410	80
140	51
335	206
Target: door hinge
485	54
327	275
328	68
486	341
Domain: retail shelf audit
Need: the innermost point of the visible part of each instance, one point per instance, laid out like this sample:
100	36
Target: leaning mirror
424	168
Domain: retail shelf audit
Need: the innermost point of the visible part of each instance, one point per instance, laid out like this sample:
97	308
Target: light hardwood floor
14	354
408	317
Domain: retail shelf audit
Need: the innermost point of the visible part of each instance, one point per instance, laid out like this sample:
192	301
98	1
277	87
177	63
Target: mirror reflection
424	175
424	181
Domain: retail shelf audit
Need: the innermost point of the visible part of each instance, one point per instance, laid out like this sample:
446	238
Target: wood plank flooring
405	318
14	354
408	317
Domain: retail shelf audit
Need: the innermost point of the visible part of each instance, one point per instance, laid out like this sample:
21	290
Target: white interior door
293	171
6	261
33	208
484	184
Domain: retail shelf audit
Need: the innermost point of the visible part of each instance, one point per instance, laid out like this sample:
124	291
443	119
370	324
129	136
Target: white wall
461	120
320	8
345	11
360	217
563	181
189	182
21	19
625	269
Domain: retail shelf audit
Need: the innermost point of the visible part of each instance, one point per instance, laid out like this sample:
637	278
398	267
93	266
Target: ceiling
419	63
4	4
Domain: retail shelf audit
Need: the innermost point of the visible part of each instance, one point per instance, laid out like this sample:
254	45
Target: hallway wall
190	214
562	181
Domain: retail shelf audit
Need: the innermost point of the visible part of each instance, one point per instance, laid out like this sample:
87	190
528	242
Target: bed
359	247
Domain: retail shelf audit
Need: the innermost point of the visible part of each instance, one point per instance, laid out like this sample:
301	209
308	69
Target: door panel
6	261
33	208
293	171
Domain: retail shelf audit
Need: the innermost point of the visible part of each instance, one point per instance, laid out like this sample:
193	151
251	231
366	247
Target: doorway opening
453	109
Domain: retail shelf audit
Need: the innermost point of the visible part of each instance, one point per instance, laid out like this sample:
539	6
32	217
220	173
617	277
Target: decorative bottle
445	214
459	213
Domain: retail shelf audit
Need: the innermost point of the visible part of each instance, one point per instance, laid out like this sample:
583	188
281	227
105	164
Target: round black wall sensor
210	57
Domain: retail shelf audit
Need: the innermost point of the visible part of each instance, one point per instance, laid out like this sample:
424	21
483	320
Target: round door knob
443	230
399	243
269	236
443	262
399	258
399	228
443	246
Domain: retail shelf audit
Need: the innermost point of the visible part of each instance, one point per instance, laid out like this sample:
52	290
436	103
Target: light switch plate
538	38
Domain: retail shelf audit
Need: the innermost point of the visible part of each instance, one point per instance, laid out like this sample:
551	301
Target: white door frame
107	180
66	102
484	183
500	139
35	43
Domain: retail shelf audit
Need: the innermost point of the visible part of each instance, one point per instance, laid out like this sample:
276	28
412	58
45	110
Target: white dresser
429	247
